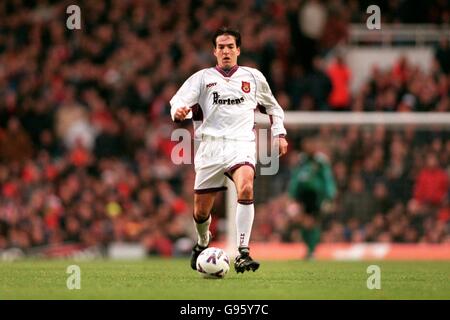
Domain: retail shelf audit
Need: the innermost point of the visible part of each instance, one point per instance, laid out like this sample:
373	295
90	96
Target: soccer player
312	184
221	101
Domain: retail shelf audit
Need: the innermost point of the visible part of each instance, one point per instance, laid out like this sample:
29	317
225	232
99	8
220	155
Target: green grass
173	279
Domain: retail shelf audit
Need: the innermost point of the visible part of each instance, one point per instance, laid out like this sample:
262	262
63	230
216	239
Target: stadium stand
85	127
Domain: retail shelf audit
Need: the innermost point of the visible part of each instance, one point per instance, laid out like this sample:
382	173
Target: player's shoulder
255	72
197	77
209	72
200	73
322	158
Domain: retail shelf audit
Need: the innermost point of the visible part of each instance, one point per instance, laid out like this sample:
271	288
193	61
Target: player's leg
310	234
310	227
209	180
243	178
203	203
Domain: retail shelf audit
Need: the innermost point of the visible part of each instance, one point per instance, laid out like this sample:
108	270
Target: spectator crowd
393	186
85	148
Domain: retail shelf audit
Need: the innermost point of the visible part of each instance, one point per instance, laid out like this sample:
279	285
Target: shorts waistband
205	137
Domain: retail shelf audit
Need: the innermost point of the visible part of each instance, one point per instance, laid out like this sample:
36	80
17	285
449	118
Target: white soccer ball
213	263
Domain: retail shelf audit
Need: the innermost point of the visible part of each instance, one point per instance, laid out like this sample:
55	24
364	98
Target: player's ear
215	51
238	51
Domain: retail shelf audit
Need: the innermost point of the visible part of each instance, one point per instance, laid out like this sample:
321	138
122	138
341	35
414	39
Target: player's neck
227	71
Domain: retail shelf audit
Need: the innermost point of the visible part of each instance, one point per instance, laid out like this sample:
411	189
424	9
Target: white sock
203	232
244	221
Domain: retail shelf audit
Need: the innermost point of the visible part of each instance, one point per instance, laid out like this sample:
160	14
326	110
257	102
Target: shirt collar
228	73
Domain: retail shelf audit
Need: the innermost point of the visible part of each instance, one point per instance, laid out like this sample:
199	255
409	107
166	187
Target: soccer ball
213	263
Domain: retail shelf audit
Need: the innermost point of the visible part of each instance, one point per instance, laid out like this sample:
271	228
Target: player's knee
246	191
201	215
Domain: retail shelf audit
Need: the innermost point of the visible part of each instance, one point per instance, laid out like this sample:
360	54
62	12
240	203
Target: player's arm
293	184
268	104
187	96
326	171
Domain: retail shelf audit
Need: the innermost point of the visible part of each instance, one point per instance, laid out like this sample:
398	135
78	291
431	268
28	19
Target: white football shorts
217	158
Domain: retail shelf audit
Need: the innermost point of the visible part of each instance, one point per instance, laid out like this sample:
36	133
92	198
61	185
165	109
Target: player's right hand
181	113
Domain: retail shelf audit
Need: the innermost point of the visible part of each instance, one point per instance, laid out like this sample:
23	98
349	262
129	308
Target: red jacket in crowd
339	74
431	186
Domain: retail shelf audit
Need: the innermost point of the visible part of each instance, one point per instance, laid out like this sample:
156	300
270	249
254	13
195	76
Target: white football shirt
224	104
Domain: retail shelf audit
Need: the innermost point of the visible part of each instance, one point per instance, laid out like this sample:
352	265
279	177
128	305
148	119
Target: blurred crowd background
85	124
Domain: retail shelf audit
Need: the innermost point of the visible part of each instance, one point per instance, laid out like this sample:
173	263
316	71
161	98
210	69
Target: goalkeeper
312	184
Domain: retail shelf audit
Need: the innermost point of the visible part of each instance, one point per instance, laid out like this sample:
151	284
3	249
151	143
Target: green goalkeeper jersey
313	173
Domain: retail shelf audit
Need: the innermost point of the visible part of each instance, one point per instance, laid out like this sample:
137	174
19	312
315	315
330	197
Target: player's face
309	146
226	51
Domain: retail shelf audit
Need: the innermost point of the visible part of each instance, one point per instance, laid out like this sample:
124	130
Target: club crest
245	86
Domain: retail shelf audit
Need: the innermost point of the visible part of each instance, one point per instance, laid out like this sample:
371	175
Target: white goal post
300	119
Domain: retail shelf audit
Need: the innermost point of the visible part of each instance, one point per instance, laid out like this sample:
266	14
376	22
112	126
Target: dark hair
224	30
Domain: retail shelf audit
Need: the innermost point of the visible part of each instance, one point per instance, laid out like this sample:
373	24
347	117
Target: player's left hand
282	144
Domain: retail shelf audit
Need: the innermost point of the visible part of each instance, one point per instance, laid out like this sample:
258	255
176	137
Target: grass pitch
161	279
